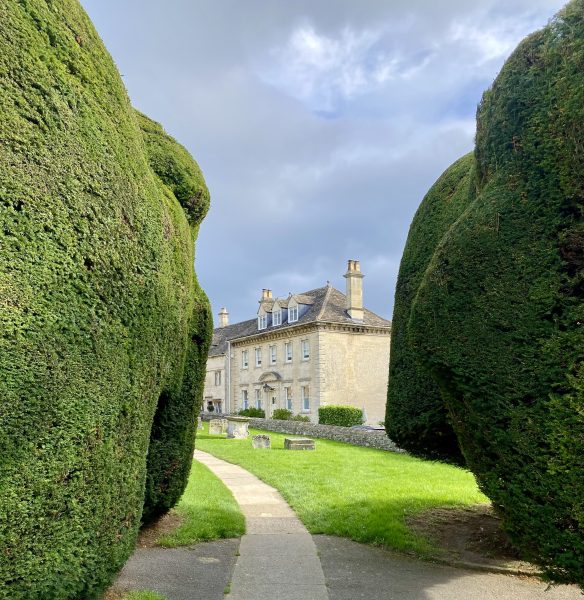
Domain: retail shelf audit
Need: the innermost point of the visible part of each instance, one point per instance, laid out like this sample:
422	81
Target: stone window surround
273	354
288	351
245	359
305	349
305	398
258	357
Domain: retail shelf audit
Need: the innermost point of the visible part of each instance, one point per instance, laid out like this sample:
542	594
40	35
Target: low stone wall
356	437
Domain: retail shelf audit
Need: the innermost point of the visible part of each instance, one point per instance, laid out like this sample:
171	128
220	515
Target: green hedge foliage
282	414
343	416
256	413
103	327
498	316
416	417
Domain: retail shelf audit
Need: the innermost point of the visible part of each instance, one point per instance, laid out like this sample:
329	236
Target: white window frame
258	357
262	322
305	398
293	314
245	359
305	344
277	317
289	352
288	397
273	354
217	378
258	398
244	399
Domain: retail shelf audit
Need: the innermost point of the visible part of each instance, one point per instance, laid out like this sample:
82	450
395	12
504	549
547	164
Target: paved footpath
277	556
279	560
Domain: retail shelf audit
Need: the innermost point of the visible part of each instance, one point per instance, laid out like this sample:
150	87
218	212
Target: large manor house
313	349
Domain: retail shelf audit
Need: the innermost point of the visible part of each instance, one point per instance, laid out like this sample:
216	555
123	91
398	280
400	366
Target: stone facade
302	352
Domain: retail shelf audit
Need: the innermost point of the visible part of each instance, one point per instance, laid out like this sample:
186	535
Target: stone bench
299	444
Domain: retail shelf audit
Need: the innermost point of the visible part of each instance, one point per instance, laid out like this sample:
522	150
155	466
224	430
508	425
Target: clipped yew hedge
103	327
343	416
416	418
498	316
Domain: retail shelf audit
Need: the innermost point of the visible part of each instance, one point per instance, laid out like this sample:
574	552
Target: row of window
273	354
277	317
288	399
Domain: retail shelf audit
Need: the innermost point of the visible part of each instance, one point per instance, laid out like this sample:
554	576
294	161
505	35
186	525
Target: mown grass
359	493
143	595
209	511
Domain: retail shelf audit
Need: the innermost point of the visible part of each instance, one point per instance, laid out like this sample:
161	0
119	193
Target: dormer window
262	321
277	317
293	313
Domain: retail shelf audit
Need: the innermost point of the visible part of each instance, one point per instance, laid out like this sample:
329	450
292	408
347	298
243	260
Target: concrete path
200	572
277	556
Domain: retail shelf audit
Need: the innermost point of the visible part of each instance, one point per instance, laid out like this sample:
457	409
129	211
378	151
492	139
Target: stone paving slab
199	572
359	572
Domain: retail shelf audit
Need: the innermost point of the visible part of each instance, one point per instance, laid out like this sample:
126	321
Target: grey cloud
297	191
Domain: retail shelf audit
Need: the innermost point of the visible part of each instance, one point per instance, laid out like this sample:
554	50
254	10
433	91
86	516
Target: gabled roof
327	305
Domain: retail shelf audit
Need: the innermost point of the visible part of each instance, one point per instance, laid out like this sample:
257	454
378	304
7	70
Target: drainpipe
228	379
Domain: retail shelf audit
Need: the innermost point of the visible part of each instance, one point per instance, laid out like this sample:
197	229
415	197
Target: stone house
313	349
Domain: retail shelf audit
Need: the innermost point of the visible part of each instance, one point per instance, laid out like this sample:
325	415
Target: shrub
256	413
282	414
301	418
497	317
343	416
416	417
103	327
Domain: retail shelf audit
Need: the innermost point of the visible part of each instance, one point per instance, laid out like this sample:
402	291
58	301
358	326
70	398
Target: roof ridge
324	302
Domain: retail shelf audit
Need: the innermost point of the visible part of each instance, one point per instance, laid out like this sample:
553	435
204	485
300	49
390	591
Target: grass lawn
354	492
208	509
143	595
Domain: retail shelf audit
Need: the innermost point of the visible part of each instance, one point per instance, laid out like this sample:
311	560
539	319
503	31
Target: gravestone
224	425
299	444
261	441
215	427
237	427
199	423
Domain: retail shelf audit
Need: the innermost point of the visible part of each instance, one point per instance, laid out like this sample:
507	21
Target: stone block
261	441
237	427
215	427
199	423
299	444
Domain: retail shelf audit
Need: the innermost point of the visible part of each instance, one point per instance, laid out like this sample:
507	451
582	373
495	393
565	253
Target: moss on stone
103	327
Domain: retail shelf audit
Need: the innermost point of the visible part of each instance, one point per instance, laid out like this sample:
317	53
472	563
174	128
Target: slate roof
326	305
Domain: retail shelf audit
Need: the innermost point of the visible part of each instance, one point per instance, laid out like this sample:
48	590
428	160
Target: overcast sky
319	124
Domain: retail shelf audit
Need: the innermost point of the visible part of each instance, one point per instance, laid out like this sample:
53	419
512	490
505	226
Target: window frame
244	399
288	356
258	398
277	318
288	397
262	322
305	398
293	313
245	359
305	349
258	357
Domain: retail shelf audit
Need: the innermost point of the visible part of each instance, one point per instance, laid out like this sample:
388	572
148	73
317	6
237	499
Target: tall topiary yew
498	317
103	327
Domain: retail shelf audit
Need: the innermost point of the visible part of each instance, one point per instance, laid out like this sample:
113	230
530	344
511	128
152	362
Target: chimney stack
266	294
354	279
223	317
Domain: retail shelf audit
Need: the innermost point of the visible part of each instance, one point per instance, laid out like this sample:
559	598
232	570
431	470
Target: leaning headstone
299	444
237	427
215	427
261	441
199	423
